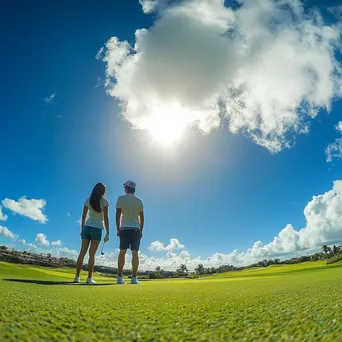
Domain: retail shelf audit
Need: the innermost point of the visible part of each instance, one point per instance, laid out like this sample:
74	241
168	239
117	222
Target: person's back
131	207
129	225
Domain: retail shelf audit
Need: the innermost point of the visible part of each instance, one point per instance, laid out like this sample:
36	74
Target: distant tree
335	249
316	256
199	269
325	249
158	274
277	261
182	270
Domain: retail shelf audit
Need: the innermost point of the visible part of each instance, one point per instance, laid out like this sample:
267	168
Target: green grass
277	303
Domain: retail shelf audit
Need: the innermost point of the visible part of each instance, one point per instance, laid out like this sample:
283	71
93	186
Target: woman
91	232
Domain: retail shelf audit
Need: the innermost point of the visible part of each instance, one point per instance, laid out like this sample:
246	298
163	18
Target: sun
167	124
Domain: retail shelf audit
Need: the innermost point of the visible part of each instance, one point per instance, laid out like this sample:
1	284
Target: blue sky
213	192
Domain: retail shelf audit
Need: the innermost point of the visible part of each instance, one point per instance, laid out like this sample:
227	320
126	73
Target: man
129	226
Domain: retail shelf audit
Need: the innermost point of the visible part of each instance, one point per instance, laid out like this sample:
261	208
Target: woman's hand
106	238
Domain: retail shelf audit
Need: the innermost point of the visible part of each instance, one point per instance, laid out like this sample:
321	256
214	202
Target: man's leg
121	261
135	263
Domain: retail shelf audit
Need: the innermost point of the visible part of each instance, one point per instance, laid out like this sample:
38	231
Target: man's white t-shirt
95	219
131	207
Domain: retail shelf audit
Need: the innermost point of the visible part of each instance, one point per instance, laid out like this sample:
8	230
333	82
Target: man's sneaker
77	280
120	280
90	281
134	280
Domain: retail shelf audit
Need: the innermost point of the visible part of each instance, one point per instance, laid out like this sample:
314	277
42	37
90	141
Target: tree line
330	254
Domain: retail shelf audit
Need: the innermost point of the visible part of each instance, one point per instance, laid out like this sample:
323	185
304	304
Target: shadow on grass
51	282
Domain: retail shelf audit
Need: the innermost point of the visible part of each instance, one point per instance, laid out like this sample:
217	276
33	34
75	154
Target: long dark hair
96	195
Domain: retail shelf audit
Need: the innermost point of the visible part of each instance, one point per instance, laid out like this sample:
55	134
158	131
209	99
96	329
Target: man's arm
142	221
118	220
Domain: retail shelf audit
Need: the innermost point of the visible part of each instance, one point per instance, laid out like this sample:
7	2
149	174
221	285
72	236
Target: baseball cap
131	184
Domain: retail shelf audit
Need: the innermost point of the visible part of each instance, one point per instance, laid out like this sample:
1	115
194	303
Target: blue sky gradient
214	193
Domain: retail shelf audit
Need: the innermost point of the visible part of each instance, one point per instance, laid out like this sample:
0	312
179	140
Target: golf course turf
278	303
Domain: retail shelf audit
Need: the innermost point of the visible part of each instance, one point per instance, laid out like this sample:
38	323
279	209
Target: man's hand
106	238
118	233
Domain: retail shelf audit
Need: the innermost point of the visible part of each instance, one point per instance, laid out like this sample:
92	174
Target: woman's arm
105	218
84	216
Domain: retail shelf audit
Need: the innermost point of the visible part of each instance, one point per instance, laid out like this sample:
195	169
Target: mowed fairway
277	303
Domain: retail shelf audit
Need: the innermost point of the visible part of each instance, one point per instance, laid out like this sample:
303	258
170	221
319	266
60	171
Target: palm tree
199	269
158	268
325	249
335	249
182	270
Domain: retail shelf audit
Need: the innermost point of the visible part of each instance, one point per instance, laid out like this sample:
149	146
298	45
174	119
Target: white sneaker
134	280
120	280
77	280
90	281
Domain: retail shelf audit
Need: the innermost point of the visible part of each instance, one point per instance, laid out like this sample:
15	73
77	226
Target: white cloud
30	246
31	208
41	239
57	243
64	251
267	68
159	246
336	11
334	151
150	6
3	217
4	231
50	99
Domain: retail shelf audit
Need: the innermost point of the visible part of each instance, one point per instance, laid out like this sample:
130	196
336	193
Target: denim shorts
91	233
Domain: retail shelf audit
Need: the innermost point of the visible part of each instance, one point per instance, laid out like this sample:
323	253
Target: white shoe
120	280
77	280
134	280
90	281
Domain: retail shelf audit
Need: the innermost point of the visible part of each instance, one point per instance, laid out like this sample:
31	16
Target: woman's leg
83	252
92	251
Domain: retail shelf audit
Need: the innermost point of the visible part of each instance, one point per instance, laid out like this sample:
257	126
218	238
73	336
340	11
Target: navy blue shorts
130	239
91	233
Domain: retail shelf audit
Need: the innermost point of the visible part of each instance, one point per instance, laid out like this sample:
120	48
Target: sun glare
167	124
